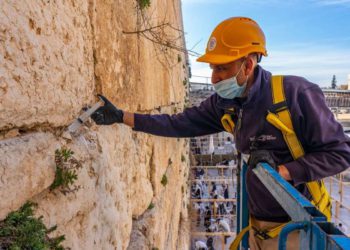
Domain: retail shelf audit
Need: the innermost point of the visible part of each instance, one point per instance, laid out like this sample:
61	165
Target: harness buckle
261	234
278	107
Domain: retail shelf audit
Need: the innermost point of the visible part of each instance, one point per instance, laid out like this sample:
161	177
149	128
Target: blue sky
309	38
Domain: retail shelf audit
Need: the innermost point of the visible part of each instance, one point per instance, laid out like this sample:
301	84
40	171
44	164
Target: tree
334	82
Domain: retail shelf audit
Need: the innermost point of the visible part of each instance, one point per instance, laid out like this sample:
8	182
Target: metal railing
209	207
221	143
200	79
339	189
315	231
304	215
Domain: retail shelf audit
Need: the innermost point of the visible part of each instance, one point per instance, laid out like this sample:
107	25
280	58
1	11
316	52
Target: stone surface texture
55	56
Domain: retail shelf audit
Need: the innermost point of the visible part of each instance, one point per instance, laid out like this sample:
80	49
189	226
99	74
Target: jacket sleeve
194	121
327	148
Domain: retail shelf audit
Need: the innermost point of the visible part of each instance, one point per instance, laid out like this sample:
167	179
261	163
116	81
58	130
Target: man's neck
250	82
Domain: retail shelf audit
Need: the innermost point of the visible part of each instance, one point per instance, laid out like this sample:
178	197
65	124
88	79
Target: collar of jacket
262	77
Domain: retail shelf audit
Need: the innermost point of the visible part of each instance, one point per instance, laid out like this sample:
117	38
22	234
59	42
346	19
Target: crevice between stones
92	17
12	132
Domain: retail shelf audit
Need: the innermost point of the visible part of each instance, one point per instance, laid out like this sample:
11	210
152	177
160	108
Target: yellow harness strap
320	197
263	235
235	244
227	122
282	120
283	117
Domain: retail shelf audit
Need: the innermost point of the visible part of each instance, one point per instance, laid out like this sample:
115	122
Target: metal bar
330	186
318	234
226	216
211	180
213	200
324	235
242	219
345	183
239	198
213	234
212	167
342	205
339	241
341	188
282	240
223	245
295	204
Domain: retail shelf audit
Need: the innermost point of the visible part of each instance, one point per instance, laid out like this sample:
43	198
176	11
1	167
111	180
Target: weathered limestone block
27	167
170	201
54	56
135	73
46	65
114	187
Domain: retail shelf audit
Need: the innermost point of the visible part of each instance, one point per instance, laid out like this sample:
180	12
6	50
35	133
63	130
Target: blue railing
315	232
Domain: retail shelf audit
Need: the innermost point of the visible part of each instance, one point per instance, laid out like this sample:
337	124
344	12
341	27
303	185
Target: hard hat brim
217	59
221	59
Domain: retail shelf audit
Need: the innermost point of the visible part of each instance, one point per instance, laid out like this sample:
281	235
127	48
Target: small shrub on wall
66	171
21	230
144	4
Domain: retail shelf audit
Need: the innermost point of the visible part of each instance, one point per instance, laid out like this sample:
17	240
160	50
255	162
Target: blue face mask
229	88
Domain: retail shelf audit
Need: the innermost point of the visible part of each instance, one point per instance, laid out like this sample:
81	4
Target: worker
248	102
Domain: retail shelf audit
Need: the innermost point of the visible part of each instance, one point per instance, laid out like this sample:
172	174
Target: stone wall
55	56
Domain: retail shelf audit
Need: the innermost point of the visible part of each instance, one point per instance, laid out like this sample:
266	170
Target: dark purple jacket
327	148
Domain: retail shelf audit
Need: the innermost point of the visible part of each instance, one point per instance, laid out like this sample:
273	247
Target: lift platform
315	232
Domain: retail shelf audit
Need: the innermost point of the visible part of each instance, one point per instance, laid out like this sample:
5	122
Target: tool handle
84	116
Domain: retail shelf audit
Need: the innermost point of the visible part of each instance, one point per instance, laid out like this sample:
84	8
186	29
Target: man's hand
283	171
107	114
261	156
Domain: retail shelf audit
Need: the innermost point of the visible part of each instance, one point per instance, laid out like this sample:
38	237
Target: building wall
55	57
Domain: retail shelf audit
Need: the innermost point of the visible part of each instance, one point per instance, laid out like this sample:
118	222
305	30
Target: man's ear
249	65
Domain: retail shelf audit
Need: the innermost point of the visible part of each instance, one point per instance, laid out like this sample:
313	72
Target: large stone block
54	56
134	72
46	65
27	167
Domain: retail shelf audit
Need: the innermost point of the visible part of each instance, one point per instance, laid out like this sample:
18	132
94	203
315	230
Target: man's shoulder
298	84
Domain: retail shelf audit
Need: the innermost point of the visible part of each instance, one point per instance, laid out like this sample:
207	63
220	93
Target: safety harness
280	117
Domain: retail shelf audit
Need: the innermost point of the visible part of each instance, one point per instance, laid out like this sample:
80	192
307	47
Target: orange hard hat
232	39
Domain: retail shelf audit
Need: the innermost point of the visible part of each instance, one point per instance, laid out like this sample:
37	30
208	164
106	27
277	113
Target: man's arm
129	119
195	121
327	148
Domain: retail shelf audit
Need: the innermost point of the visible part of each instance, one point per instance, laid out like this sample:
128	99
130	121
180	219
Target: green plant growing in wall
183	158
144	4
66	171
20	230
164	180
151	206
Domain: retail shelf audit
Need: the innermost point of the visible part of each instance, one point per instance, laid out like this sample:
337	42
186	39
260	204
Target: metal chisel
72	129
